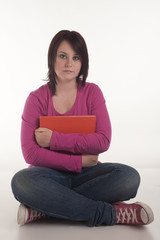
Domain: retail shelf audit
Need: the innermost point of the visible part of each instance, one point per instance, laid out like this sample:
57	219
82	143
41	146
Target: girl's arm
32	152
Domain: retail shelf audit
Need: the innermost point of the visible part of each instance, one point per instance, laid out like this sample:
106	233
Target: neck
66	87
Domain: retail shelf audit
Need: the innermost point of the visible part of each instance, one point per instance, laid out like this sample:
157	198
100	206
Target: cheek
79	68
57	66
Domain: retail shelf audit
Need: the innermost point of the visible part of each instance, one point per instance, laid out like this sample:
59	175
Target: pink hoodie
89	101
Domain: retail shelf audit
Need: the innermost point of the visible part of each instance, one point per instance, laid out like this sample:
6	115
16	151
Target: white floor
149	192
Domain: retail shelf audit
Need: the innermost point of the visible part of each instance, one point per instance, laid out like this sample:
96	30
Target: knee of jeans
132	181
17	183
136	177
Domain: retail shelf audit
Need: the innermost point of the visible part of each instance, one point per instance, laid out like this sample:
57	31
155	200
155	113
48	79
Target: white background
123	39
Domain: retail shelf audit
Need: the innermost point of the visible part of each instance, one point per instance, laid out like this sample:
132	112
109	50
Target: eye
76	58
62	56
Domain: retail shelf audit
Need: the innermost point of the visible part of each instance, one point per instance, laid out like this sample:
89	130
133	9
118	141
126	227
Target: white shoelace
125	215
33	215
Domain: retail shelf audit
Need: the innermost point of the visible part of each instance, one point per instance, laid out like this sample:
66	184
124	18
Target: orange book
69	124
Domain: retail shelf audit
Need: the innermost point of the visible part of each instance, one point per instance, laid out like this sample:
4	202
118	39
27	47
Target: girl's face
67	64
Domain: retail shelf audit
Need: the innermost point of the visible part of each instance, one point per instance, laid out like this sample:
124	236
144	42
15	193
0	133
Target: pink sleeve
93	143
36	155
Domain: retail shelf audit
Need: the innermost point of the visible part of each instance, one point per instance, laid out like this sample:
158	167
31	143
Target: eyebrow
76	54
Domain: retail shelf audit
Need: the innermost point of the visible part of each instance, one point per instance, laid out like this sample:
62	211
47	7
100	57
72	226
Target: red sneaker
26	215
136	213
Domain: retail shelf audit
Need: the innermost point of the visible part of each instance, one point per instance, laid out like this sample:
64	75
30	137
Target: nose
69	62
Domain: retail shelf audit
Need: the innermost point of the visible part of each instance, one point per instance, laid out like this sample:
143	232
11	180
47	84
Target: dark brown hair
78	44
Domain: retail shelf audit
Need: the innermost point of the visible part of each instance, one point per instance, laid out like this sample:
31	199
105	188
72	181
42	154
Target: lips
67	71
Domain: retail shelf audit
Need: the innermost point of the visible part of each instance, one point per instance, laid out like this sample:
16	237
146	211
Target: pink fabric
66	150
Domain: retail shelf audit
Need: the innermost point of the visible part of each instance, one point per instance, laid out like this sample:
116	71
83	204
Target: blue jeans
87	196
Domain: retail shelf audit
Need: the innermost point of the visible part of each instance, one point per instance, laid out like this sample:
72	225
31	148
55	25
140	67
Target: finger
41	129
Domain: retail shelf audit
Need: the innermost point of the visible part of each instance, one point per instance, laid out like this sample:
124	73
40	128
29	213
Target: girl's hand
43	137
89	160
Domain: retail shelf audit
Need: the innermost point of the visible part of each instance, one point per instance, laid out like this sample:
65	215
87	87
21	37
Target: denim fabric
87	196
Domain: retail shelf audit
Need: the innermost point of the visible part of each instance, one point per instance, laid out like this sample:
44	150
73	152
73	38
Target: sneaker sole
147	215
21	216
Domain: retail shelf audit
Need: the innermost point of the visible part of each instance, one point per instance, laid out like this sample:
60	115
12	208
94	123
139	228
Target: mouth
67	71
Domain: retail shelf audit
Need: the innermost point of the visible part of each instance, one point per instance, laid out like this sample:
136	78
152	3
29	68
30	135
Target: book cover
69	124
